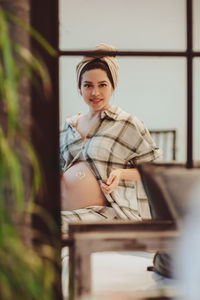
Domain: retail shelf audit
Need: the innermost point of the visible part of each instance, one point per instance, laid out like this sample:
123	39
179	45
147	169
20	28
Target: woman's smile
95	100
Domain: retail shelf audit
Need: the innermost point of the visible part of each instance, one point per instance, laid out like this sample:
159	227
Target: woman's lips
95	100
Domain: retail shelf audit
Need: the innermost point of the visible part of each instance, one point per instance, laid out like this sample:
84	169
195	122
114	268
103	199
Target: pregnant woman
100	149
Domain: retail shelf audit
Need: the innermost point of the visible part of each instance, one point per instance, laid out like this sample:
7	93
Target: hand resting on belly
79	188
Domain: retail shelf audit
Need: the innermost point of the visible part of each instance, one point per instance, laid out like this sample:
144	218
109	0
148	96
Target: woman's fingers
109	188
110	178
106	188
112	182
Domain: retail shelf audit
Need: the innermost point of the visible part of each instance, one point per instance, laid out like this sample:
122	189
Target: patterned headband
110	60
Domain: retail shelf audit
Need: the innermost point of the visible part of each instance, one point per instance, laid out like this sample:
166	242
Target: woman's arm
117	175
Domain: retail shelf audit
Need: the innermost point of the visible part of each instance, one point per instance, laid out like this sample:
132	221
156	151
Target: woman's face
96	89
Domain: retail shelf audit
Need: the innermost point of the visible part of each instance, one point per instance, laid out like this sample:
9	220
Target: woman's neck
92	113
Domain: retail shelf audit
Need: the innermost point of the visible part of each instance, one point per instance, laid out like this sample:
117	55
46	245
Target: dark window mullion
125	53
189	51
45	133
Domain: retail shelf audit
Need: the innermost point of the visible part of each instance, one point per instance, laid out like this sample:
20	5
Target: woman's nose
95	91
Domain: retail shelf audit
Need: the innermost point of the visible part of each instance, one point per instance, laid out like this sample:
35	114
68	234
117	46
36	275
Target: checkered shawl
118	140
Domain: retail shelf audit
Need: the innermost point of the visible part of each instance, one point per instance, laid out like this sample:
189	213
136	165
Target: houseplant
23	273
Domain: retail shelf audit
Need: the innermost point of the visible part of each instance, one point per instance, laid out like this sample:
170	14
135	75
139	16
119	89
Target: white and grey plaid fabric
118	140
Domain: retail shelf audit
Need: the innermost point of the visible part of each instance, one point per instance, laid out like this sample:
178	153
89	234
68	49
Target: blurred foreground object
187	258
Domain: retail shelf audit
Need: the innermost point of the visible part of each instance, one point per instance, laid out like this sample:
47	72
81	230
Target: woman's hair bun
106	47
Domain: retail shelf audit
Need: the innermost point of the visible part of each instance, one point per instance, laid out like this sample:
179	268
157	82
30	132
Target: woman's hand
116	175
112	182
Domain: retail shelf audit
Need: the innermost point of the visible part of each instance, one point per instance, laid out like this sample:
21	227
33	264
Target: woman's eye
87	85
102	84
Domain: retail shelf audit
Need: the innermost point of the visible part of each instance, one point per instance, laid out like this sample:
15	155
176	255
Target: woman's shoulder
118	113
121	114
129	117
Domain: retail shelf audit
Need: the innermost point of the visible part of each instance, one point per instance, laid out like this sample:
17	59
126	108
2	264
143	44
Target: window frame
45	112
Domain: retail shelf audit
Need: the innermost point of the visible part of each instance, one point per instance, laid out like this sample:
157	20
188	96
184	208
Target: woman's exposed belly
79	188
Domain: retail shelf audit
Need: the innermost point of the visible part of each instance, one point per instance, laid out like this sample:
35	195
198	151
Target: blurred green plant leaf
23	274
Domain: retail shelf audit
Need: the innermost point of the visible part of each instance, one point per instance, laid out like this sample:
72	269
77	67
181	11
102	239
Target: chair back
166	140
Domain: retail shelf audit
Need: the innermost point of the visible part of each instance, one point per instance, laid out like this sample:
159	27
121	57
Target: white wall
154	89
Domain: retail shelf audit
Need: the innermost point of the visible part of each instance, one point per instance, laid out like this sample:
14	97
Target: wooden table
87	238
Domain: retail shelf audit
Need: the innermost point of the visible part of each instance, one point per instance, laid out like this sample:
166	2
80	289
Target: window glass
196	109
127	24
196	24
